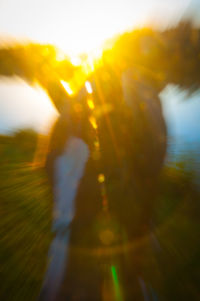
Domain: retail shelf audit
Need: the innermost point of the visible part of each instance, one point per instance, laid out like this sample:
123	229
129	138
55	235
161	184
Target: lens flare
116	284
101	178
90	104
88	87
93	122
67	87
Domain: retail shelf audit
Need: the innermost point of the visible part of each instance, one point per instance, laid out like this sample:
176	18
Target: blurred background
70	42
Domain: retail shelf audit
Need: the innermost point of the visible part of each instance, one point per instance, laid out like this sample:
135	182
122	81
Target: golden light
84	26
87	66
75	60
67	87
88	87
96	144
60	55
93	122
90	104
101	178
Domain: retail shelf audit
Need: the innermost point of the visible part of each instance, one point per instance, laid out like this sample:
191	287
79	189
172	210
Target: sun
86	39
89	25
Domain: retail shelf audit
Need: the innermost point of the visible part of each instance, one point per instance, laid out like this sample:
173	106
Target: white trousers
69	169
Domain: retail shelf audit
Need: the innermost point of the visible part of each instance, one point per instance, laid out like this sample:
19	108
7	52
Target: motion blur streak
133	207
116	284
88	87
67	87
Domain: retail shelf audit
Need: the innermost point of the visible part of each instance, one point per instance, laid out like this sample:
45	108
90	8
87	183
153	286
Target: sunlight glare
90	104
75	60
88	87
93	122
67	87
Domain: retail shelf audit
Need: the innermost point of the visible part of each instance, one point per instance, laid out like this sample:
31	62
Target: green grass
26	220
25	225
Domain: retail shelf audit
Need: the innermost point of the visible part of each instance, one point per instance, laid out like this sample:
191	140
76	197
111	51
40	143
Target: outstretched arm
38	63
56	92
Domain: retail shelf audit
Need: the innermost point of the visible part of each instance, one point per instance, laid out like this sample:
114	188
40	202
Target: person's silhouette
67	156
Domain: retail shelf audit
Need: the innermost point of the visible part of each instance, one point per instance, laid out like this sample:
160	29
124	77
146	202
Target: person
133	139
132	151
148	138
66	160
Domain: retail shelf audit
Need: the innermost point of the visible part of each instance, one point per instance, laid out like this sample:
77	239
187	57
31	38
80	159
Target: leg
68	170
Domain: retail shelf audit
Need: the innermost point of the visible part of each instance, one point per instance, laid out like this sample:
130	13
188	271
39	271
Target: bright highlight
116	284
101	178
90	104
67	87
93	122
88	87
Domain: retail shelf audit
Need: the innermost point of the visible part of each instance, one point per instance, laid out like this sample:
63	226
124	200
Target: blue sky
182	113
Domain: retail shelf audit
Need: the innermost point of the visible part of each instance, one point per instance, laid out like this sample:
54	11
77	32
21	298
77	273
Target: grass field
26	221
